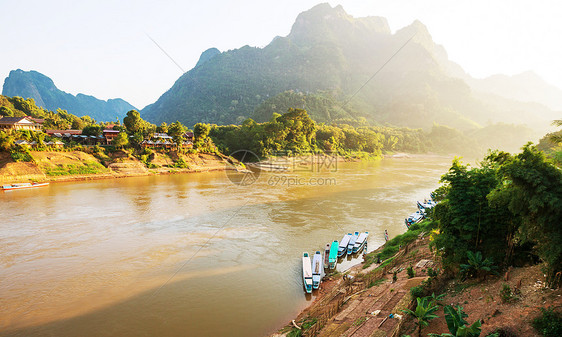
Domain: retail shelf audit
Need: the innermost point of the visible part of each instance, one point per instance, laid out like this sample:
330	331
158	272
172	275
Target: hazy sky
101	48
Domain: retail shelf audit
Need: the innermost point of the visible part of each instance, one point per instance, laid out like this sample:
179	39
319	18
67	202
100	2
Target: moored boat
426	205
414	218
9	187
333	257
307	272
360	242
351	243
343	245
327	256
317	269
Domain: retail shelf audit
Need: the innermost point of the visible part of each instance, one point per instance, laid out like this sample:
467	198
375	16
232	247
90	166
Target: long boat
10	187
306	272
317	270
327	256
333	257
351	243
427	204
414	218
361	242
343	245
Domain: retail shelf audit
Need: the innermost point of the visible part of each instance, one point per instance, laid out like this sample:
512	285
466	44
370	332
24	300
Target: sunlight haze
101	48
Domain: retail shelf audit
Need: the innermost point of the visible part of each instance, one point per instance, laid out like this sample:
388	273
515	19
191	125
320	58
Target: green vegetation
549	323
410	271
457	325
34	84
501	209
87	168
21	155
506	295
477	266
393	245
424	312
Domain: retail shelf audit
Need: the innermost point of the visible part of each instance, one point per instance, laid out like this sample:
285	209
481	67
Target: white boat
351	243
307	272
360	242
426	205
317	270
414	218
343	245
10	187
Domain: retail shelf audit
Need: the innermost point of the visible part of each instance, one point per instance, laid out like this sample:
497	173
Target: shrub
417	291
411	272
21	156
549	323
507	295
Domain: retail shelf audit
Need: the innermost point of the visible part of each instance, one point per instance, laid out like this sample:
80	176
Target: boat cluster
312	271
421	213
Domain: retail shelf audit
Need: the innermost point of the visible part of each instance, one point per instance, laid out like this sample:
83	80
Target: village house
109	135
19	123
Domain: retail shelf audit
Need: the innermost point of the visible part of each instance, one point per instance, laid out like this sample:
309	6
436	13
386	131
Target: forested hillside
31	84
330	57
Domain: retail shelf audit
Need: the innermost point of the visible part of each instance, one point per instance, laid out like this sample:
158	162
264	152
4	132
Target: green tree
533	189
424	312
121	140
466	219
133	122
6	141
163	128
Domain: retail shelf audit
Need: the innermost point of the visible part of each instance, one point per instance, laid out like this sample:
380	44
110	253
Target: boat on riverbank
342	250
10	187
327	256
426	205
351	243
333	257
415	217
307	272
361	242
317	270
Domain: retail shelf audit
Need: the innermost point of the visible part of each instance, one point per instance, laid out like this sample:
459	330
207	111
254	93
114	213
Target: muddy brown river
188	254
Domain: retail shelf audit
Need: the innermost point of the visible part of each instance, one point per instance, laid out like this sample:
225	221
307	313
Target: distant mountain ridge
332	55
525	87
32	84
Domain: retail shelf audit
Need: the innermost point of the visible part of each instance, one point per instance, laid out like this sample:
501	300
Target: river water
188	254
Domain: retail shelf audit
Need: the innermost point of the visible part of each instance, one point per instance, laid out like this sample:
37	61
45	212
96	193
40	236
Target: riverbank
60	166
55	166
369	300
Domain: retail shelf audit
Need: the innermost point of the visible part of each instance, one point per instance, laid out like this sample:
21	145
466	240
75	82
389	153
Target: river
188	254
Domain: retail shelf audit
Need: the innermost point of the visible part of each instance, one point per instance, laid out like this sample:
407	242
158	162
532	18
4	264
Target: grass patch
87	168
360	321
376	282
393	246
